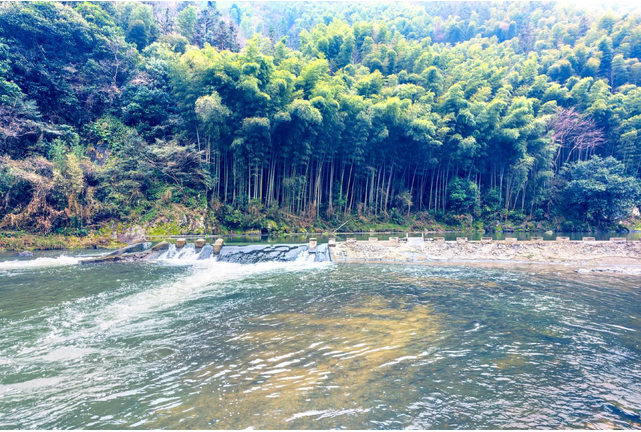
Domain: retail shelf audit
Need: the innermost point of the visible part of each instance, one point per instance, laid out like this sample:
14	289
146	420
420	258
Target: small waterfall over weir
263	253
186	253
251	254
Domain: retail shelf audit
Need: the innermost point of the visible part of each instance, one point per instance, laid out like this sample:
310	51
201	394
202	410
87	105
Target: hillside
204	117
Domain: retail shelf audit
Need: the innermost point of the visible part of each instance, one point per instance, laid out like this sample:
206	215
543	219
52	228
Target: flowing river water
308	345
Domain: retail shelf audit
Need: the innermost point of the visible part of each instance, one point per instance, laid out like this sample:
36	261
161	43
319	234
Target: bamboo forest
217	117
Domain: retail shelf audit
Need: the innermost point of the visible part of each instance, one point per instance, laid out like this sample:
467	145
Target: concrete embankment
417	250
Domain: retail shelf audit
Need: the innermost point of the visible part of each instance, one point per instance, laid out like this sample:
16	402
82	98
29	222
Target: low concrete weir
199	251
561	250
412	249
260	253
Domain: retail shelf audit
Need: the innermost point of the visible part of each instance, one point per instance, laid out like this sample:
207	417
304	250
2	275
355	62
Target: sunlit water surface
316	345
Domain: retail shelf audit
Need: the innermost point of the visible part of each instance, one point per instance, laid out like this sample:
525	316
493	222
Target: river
306	345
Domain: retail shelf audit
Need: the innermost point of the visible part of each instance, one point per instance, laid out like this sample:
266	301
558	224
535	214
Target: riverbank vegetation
20	241
198	117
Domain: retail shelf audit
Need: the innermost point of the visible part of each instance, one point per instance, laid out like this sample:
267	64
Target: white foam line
62	260
398	360
306	414
212	275
620	327
282	357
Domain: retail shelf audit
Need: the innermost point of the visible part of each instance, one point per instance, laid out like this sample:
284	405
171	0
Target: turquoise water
316	345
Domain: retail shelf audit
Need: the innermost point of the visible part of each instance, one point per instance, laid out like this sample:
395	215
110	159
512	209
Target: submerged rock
25	254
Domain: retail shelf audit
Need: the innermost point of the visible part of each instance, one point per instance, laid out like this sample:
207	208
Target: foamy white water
62	260
184	256
207	275
137	311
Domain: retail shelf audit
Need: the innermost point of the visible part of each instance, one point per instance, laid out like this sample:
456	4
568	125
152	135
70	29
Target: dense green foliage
253	116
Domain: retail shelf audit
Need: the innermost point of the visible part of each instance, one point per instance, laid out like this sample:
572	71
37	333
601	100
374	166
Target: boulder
218	245
128	257
199	243
160	246
137	247
180	242
132	234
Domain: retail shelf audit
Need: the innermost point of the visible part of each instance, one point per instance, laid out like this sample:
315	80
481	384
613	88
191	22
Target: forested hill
204	116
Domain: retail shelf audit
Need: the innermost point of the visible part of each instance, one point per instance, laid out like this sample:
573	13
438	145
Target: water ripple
308	346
